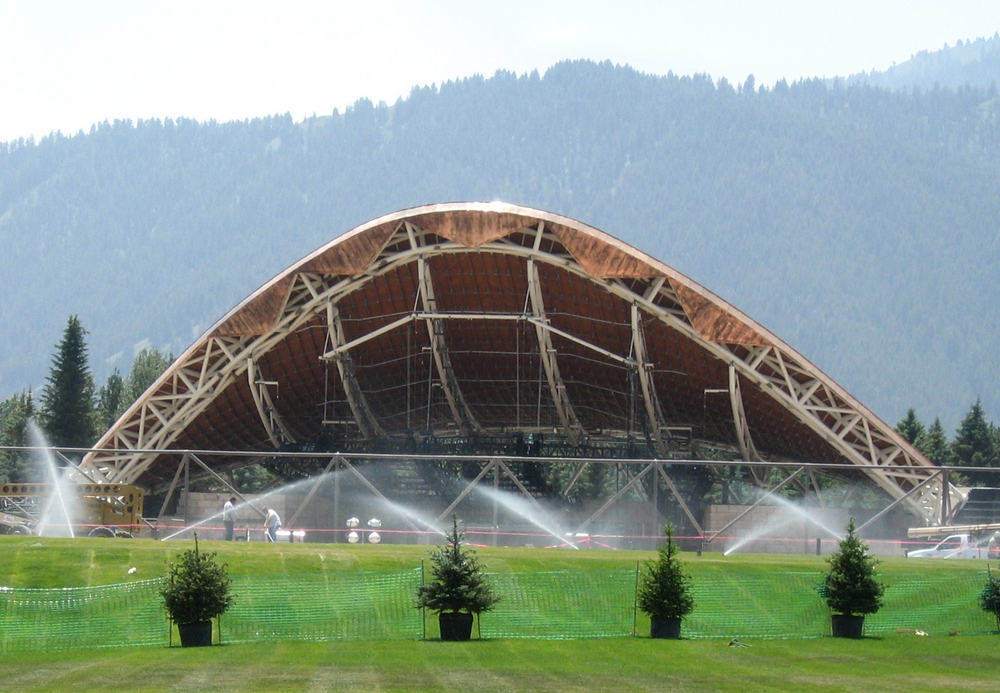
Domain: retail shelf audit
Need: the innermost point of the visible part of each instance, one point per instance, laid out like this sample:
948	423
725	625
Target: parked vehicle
953	546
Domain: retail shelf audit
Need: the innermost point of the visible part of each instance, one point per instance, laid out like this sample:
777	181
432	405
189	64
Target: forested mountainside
858	224
967	63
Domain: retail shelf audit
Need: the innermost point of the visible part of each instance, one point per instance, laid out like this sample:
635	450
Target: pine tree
458	583
147	367
851	586
15	412
911	428
665	589
110	400
67	412
974	444
934	444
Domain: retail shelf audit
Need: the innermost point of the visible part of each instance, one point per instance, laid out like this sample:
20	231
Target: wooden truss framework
156	420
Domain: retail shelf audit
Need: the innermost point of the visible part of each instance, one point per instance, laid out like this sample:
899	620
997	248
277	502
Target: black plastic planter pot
455	626
664	627
195	634
845	626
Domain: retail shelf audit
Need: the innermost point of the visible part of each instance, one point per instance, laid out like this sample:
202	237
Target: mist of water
255	503
521	506
793	512
415	516
61	506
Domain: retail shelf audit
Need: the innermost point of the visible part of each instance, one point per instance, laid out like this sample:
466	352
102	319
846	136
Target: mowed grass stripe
627	664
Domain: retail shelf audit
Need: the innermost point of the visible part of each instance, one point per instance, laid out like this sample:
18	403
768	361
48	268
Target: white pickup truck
953	546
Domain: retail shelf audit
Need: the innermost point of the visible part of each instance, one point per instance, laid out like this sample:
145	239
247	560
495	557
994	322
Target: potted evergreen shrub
458	589
989	598
851	589
197	591
665	591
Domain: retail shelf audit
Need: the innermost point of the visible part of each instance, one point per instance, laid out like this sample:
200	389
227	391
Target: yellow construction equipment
90	509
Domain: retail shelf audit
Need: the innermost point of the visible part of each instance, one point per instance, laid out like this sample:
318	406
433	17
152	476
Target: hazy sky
66	65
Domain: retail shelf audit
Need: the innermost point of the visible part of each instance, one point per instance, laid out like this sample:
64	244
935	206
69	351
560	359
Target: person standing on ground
272	522
229	517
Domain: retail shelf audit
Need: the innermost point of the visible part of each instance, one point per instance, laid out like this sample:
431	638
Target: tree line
976	443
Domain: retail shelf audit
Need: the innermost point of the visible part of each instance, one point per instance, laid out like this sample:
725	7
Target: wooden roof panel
471	228
713	321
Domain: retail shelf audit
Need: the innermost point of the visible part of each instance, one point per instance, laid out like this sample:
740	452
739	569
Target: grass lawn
621	664
42	562
901	662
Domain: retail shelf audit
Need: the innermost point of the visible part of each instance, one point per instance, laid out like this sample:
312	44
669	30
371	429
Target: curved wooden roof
487	318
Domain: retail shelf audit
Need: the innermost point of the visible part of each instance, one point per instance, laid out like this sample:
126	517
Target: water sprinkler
374	538
352	537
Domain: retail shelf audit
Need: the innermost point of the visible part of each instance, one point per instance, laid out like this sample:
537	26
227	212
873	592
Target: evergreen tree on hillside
67	411
15	412
934	445
110	402
911	428
149	364
974	445
118	393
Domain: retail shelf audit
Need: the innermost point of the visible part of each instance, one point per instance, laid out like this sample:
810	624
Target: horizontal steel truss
156	420
196	465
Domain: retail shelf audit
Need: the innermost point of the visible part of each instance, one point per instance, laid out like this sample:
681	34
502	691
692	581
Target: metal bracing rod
344	347
226	484
496	501
527	494
543	324
363	415
313	490
912	491
467	490
747	447
680	499
278	420
762	499
654	413
173	484
815	484
520	486
573	479
371	487
945	500
557	387
539	234
460	411
901	472
431	315
78	470
614	499
259	403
